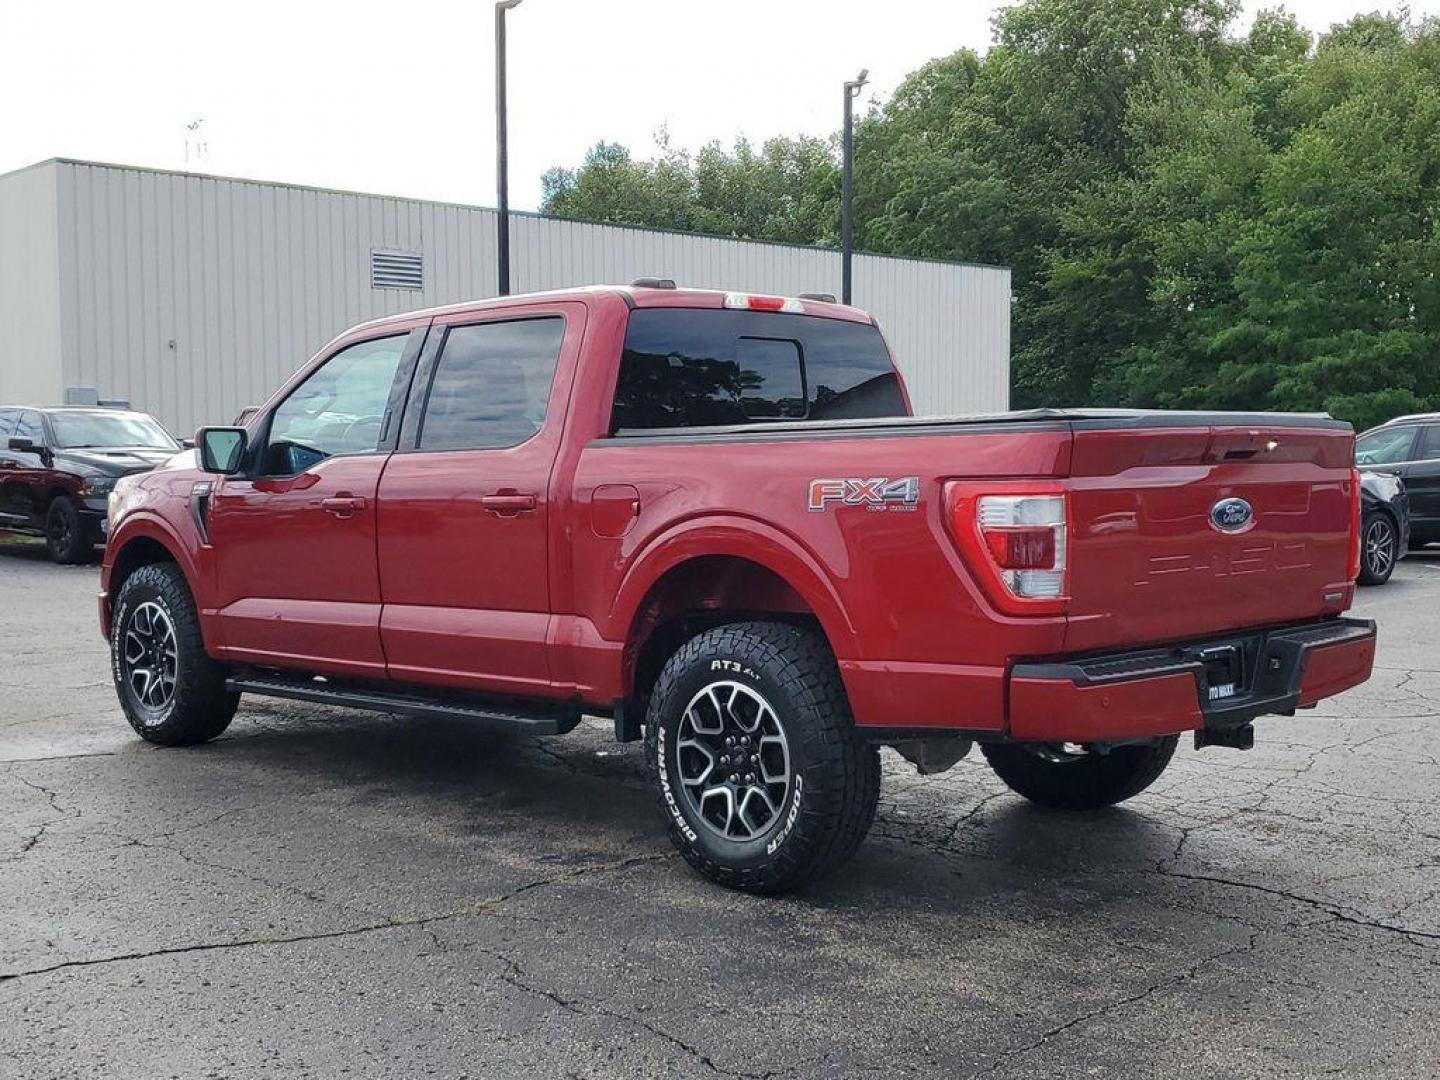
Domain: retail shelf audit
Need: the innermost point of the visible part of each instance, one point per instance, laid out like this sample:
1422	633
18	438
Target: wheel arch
142	542
716	571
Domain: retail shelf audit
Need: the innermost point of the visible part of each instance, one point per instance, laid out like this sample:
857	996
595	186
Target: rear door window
492	384
1429	448
687	367
8	418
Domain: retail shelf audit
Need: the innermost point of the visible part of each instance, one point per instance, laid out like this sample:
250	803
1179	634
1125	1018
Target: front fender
146	525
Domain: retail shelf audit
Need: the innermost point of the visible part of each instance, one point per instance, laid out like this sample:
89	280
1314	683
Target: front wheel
172	693
66	537
760	774
1379	548
1069	777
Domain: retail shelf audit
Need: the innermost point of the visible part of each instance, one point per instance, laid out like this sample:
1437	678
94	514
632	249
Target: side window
7	426
30	427
1428	448
1385	447
339	409
491	384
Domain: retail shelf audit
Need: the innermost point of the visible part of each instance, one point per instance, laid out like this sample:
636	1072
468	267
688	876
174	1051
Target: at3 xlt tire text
834	775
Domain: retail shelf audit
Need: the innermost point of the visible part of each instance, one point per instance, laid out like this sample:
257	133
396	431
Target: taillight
1014	540
751	302
1354	524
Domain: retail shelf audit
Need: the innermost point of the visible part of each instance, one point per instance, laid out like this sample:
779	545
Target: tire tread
203	707
835	818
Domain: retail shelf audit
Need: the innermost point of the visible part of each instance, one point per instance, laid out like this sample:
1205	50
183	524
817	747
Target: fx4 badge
876	493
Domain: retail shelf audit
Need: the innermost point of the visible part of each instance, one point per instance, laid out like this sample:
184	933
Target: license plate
1220	691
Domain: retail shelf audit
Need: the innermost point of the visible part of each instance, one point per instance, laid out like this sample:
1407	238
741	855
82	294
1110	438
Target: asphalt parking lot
321	893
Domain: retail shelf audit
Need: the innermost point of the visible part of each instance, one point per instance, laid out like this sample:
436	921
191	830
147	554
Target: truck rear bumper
1214	684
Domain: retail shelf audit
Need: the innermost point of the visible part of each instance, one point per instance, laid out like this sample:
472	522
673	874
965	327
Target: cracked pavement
322	893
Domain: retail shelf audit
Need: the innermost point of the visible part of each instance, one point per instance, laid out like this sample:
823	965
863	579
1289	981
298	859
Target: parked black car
1384	525
58	466
1409	447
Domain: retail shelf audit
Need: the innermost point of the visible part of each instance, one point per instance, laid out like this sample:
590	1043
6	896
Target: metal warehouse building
192	296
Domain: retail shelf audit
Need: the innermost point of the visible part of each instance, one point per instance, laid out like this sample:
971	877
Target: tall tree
1194	218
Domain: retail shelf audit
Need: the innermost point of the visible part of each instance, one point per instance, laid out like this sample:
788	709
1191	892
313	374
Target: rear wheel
761	777
65	533
172	693
1070	777
1379	548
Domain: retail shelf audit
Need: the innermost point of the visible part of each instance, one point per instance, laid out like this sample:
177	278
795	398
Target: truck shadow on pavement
581	795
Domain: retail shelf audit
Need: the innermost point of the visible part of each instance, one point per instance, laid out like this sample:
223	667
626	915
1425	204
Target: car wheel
1379	546
172	693
761	777
1065	776
65	533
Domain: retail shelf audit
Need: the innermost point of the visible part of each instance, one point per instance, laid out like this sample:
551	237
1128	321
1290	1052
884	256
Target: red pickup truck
710	516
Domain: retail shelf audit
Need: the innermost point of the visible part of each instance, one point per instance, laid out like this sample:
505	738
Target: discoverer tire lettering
833	775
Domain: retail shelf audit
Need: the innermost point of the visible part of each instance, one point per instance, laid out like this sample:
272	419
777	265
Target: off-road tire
1086	782
199	708
835	774
66	537
1379	548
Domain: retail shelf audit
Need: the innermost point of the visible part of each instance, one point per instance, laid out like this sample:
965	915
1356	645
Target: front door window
340	409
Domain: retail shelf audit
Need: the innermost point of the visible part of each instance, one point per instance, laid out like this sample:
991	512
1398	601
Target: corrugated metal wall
29	288
193	296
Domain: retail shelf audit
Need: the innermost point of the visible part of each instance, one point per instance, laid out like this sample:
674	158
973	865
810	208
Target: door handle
508	503
343	505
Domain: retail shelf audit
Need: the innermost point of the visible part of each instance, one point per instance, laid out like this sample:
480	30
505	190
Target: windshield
77	430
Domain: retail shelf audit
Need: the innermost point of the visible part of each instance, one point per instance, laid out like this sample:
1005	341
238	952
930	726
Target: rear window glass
687	367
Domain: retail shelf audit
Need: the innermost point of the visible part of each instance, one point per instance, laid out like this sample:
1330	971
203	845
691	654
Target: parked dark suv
57	467
1409	447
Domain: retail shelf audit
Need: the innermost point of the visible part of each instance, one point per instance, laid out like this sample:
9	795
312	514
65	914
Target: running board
541	719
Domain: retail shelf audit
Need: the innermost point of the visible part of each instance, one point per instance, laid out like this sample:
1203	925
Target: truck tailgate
1163	547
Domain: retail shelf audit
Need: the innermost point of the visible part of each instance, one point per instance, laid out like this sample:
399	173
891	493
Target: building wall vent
396	269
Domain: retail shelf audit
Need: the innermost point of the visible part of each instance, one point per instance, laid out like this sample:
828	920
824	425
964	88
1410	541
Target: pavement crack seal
483	909
1120	1003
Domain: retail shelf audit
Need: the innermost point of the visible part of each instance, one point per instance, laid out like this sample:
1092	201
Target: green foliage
788	190
1195	219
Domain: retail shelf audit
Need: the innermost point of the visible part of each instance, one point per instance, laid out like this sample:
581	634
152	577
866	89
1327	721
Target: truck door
293	539
465	502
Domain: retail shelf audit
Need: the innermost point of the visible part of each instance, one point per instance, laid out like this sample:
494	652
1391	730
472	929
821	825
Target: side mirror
22	445
222	449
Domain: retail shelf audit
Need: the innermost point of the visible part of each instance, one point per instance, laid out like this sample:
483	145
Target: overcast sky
398	97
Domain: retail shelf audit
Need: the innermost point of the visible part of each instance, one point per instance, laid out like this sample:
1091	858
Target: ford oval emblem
1232	516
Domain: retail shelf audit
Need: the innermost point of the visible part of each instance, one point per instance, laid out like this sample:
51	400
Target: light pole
502	149
847	183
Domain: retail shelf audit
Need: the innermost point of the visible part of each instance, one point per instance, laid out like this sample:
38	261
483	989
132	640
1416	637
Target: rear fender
740	538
